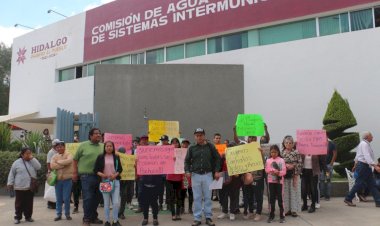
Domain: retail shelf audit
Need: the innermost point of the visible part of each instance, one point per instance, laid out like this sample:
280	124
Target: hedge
7	159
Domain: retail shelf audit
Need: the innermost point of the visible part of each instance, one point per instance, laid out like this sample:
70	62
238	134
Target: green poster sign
249	125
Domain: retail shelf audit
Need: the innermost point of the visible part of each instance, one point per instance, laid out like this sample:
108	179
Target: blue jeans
63	193
200	185
325	182
90	193
115	196
364	178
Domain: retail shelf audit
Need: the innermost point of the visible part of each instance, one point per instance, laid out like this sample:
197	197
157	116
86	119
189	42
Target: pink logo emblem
21	55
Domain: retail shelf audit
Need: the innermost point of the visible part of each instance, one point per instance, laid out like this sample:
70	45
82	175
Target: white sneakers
222	216
257	217
317	205
232	216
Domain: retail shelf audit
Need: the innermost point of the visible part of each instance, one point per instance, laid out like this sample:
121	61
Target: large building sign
129	25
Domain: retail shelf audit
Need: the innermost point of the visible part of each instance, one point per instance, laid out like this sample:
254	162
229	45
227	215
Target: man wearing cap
50	154
201	162
143	141
84	163
164	141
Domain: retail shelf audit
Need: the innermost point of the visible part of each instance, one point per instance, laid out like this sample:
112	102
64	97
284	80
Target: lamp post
20	25
52	11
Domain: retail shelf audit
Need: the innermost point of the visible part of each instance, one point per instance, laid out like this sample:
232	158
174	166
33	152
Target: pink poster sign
312	142
180	154
120	140
154	160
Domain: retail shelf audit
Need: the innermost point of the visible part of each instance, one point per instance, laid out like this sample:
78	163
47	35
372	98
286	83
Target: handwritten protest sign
158	128
312	142
221	148
153	160
244	158
124	140
180	154
72	148
128	164
249	125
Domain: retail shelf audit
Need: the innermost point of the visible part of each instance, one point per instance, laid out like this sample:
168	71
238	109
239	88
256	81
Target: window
361	20
118	60
333	24
214	45
175	52
91	69
66	74
138	58
235	41
377	17
287	32
253	38
78	72
155	56
195	48
84	71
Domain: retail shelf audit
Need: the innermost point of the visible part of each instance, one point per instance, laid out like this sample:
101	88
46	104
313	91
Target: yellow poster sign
128	163
72	148
244	158
158	128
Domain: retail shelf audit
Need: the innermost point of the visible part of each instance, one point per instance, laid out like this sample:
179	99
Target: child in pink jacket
276	169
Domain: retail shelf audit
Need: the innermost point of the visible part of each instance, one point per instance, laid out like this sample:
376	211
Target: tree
5	69
338	118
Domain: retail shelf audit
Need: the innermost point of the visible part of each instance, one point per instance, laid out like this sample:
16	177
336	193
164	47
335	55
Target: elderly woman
19	178
292	183
62	162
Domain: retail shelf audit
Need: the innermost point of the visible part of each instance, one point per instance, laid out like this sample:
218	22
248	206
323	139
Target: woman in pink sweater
276	169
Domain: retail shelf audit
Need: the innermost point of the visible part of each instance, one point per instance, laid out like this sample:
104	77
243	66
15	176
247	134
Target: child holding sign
276	169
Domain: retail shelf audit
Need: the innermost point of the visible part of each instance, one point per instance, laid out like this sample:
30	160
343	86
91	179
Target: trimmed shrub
5	136
338	118
7	159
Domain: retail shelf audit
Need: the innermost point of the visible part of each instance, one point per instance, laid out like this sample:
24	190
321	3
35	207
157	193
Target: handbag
33	187
107	186
52	178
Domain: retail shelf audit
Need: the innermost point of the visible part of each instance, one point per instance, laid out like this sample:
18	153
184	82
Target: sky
34	14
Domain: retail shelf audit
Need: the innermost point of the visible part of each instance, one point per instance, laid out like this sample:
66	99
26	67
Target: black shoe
155	222
116	223
75	210
17	221
209	222
107	224
311	209
282	220
96	221
270	219
68	218
144	222
29	220
121	216
58	218
304	208
349	203
196	223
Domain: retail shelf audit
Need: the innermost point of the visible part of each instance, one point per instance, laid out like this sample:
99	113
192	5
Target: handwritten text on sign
120	140
128	163
72	148
154	160
249	125
312	142
244	158
180	154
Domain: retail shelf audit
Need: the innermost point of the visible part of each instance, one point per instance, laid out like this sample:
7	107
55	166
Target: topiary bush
7	159
338	118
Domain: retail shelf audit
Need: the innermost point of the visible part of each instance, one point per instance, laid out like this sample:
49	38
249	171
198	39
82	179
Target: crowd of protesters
288	178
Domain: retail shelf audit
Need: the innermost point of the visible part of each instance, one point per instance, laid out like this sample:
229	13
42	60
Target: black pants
175	197
230	191
23	204
149	196
190	197
76	189
309	185
126	193
248	198
275	192
164	190
258	193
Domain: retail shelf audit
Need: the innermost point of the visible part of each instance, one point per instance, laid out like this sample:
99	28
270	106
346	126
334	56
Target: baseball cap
164	137
199	130
144	136
184	140
55	142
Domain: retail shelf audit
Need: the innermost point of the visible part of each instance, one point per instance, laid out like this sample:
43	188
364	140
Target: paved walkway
333	213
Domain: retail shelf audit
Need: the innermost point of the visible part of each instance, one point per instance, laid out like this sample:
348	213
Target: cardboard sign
128	163
244	158
154	160
312	142
120	140
249	125
180	154
72	148
158	128
221	148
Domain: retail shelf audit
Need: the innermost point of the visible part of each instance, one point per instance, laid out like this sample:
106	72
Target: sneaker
155	222
144	222
116	223
222	216
29	220
69	218
75	210
311	209
304	208
282	220
257	217
317	205
247	216
58	218
196	223
209	222
17	221
270	219
349	203
362	198
97	221
232	216
107	223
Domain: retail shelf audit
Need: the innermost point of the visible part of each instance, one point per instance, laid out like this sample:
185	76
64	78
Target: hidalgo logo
21	55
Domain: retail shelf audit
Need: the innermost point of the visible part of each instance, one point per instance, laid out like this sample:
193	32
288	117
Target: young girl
108	166
276	169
